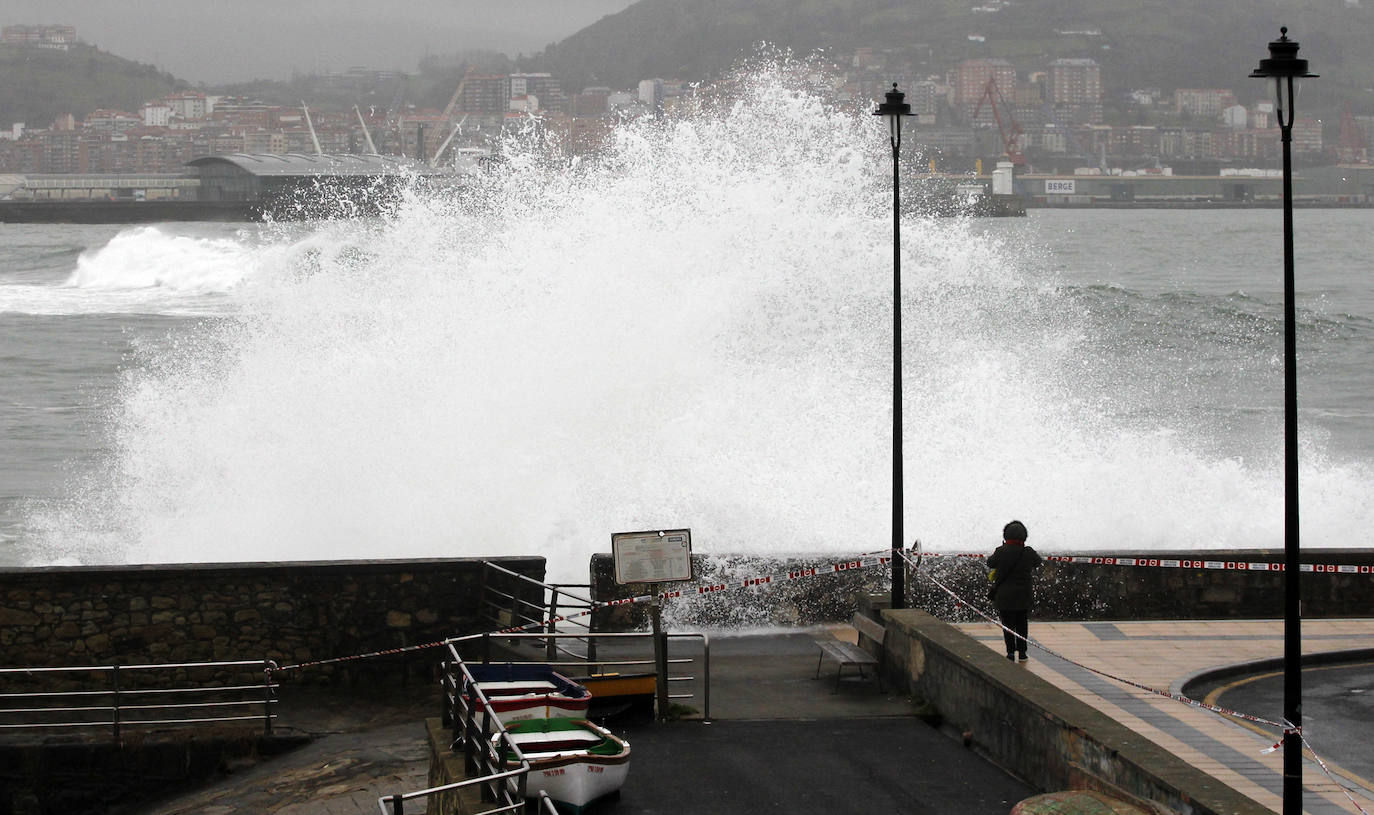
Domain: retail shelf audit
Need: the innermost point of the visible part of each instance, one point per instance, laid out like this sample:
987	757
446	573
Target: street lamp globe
1283	66
893	108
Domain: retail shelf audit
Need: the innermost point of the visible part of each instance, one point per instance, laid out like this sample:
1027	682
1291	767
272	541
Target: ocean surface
694	332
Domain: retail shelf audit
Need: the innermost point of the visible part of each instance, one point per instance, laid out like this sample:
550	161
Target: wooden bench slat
845	653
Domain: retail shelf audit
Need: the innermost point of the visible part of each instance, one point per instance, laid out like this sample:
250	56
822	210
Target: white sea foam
147	257
694	331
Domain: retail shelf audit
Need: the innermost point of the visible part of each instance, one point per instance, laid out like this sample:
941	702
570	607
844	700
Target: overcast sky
233	40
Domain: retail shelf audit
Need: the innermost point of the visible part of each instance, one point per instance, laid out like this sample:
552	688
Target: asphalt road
893	764
782	740
1337	709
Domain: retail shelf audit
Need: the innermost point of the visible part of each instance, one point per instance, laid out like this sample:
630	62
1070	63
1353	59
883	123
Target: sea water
694	330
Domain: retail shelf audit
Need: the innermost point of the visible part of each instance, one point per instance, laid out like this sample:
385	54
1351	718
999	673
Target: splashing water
693	330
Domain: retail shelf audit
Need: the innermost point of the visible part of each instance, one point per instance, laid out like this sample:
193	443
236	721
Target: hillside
41	84
1142	43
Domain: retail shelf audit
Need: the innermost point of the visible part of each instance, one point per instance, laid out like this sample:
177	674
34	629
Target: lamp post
1283	66
893	109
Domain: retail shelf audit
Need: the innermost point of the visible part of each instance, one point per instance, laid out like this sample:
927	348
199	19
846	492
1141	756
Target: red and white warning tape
1297	731
861	562
884	558
1287	727
1175	563
1347	791
1175	696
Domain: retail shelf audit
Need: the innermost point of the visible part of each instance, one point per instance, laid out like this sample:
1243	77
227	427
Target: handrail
264	663
397	800
542	615
460	713
529	579
198	703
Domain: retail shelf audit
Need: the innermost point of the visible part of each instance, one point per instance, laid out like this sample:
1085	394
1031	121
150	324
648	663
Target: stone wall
287	612
1064	591
1101	591
1037	731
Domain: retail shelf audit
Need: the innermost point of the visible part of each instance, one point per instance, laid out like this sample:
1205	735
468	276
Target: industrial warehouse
234	187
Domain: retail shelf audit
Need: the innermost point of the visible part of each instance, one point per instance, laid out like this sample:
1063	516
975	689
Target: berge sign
661	556
1059	187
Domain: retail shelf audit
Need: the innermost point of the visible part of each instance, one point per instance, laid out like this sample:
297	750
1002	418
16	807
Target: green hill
40	84
1165	44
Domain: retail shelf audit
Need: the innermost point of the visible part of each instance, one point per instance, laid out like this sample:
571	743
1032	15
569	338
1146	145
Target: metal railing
504	607
123	696
478	731
486	746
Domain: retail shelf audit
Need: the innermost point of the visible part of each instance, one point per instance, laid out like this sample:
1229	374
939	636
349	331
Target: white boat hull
577	782
573	760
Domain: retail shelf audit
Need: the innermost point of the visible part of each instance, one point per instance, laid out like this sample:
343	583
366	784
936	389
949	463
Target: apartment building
1204	102
975	80
1074	90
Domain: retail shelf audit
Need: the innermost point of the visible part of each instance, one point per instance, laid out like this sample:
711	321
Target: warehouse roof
303	164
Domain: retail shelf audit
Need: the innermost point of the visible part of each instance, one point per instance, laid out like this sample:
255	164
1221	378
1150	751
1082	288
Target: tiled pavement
1164	655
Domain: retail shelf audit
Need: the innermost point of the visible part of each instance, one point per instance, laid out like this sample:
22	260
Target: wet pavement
781	740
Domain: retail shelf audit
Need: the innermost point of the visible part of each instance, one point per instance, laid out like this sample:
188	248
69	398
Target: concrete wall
1036	730
287	612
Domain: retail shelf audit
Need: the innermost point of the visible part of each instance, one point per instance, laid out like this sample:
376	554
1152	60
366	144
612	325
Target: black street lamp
894	109
1283	66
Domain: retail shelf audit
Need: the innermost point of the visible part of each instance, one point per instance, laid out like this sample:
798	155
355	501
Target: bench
844	653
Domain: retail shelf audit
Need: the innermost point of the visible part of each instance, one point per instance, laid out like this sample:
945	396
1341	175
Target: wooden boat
573	760
519	692
615	693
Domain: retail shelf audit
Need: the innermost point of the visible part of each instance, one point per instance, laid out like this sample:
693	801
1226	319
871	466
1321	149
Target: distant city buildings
57	37
977	108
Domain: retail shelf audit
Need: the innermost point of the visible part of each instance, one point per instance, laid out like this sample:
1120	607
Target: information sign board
1059	186
652	557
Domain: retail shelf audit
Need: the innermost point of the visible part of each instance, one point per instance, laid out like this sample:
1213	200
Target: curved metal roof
303	164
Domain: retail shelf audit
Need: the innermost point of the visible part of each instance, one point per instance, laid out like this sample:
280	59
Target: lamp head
894	106
1283	60
894	109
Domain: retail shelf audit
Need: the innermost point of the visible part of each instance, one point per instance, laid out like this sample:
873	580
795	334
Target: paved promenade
857	744
1164	655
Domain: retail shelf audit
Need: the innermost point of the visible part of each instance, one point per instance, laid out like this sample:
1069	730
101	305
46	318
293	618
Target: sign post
662	556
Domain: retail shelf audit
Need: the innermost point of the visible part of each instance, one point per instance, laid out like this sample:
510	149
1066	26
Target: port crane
1010	131
1352	148
446	119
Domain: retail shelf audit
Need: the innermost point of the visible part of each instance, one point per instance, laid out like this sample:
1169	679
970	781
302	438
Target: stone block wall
287	612
1064	591
1103	591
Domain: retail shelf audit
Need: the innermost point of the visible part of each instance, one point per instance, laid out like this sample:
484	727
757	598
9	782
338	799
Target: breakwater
287	612
127	212
1064	591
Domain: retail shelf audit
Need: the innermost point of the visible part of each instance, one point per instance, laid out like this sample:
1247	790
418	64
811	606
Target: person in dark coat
1011	567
